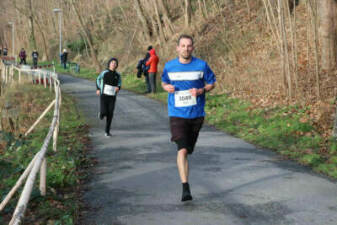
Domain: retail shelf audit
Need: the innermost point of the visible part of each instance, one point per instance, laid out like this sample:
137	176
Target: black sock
186	192
186	186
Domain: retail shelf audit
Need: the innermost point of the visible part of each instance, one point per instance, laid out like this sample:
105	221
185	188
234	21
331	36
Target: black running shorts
185	132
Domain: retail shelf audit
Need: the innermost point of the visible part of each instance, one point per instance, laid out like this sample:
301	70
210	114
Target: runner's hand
194	92
98	92
169	88
117	89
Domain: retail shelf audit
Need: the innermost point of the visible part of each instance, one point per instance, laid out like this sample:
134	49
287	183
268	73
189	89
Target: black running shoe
100	116
186	196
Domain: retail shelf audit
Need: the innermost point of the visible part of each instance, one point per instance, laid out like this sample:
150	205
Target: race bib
184	98
109	90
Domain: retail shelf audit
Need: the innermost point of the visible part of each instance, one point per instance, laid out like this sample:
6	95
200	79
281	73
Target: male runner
186	79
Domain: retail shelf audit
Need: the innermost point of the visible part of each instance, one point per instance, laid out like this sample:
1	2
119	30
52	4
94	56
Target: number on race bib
184	99
109	90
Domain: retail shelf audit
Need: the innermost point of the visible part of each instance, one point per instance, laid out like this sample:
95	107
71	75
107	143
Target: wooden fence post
6	74
45	80
50	80
334	132
43	177
39	77
55	135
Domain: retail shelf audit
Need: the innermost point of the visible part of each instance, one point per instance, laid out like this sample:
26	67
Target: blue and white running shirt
184	77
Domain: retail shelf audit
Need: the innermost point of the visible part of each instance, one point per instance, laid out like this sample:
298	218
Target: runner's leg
182	164
110	111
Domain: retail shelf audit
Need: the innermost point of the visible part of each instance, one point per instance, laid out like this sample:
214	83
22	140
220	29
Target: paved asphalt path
135	181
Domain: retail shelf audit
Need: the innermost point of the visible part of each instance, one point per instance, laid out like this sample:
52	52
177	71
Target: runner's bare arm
209	87
167	87
200	91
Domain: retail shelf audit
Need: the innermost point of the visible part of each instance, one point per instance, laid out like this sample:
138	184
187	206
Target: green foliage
138	85
77	45
311	159
333	146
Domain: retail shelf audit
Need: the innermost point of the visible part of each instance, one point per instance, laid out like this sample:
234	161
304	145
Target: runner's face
185	48
113	65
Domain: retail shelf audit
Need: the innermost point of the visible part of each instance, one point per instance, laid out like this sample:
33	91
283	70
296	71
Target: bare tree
146	30
188	12
284	47
314	20
201	10
159	24
328	33
166	17
28	12
87	34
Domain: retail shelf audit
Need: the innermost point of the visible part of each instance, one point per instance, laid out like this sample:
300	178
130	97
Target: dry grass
24	105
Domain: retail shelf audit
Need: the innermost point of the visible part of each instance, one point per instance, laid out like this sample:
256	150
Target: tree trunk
328	33
32	40
166	17
143	20
161	32
201	11
314	20
205	7
46	50
188	12
93	51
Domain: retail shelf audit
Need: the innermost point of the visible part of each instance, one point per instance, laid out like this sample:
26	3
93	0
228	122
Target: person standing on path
35	56
186	79
153	63
5	51
108	84
146	69
22	56
64	58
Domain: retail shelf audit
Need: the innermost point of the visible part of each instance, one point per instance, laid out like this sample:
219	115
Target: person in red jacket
153	63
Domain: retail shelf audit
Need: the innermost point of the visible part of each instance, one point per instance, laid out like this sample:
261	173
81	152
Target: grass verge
65	168
84	73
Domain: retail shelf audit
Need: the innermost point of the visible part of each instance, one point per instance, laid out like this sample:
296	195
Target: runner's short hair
110	60
185	36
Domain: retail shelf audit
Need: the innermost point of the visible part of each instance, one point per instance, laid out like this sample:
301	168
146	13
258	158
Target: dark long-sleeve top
109	77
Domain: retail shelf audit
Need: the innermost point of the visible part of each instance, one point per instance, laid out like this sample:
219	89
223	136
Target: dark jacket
109	77
141	67
64	57
35	55
22	54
